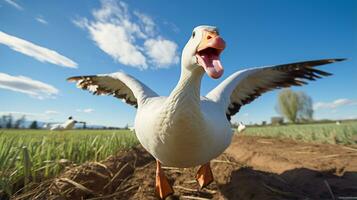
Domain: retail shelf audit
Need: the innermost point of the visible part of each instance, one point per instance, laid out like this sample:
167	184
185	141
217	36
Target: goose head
202	51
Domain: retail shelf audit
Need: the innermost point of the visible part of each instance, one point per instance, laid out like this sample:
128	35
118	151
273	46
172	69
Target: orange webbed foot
204	175
163	187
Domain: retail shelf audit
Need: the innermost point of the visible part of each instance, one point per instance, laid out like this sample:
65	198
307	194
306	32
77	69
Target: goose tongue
211	63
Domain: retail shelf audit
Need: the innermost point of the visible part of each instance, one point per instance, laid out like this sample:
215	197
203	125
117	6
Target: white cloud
27	86
40	53
334	104
87	110
114	41
51	112
147	22
41	20
14	4
125	36
162	52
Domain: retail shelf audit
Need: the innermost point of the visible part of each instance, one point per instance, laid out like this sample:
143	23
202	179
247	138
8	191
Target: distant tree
126	127
306	110
34	125
8	121
3	121
288	104
294	106
19	122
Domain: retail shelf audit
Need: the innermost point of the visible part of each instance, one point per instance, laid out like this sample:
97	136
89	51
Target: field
33	155
31	158
330	133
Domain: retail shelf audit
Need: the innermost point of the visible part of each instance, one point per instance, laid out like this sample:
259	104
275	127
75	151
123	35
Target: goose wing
245	86
119	84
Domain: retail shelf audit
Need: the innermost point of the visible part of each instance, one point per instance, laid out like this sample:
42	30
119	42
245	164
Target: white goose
68	125
186	129
241	127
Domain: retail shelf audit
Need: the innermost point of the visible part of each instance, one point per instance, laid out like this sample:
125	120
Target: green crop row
30	156
344	133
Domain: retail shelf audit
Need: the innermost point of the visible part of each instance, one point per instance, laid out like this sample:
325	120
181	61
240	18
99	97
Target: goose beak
208	52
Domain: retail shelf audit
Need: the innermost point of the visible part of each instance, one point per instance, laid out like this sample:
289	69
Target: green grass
345	133
30	156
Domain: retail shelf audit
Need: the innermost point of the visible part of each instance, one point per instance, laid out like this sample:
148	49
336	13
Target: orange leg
163	187
204	175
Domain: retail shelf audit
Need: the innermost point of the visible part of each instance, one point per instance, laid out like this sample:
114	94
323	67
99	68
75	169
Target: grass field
29	156
345	133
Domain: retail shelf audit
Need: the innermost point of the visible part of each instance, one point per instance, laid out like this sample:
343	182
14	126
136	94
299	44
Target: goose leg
204	175
163	187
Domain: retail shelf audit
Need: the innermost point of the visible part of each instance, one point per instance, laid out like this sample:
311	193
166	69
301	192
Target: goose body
68	125
241	127
184	137
186	129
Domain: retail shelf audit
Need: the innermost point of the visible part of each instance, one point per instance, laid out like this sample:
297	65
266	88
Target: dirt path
251	168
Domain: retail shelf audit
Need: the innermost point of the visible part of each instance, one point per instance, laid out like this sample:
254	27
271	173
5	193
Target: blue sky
42	43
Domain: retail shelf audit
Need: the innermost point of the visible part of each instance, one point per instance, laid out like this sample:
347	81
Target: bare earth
251	168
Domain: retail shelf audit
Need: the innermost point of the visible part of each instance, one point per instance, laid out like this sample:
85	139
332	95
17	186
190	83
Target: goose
185	129
68	125
241	127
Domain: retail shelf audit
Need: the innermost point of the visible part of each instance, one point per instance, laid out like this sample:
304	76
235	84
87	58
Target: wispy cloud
51	112
14	4
87	110
41	20
40	53
130	38
22	84
334	104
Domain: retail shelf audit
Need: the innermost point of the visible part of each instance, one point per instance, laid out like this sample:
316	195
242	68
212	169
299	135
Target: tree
19	122
294	106
34	125
8	120
288	104
305	107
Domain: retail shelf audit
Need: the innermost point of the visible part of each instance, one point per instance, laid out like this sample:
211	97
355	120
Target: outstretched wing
244	86
118	84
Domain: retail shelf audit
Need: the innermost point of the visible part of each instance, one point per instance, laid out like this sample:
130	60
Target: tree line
8	121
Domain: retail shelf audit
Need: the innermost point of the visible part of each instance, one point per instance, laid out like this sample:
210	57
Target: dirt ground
251	168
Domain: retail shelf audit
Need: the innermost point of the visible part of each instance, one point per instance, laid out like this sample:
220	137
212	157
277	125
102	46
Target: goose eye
193	34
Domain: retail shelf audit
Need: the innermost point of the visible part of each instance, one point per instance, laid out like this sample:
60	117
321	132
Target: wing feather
245	86
119	85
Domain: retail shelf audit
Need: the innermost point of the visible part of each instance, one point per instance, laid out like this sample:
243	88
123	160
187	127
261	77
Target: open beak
208	52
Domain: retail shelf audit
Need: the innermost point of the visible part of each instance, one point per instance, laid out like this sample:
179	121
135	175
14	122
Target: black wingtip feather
338	59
